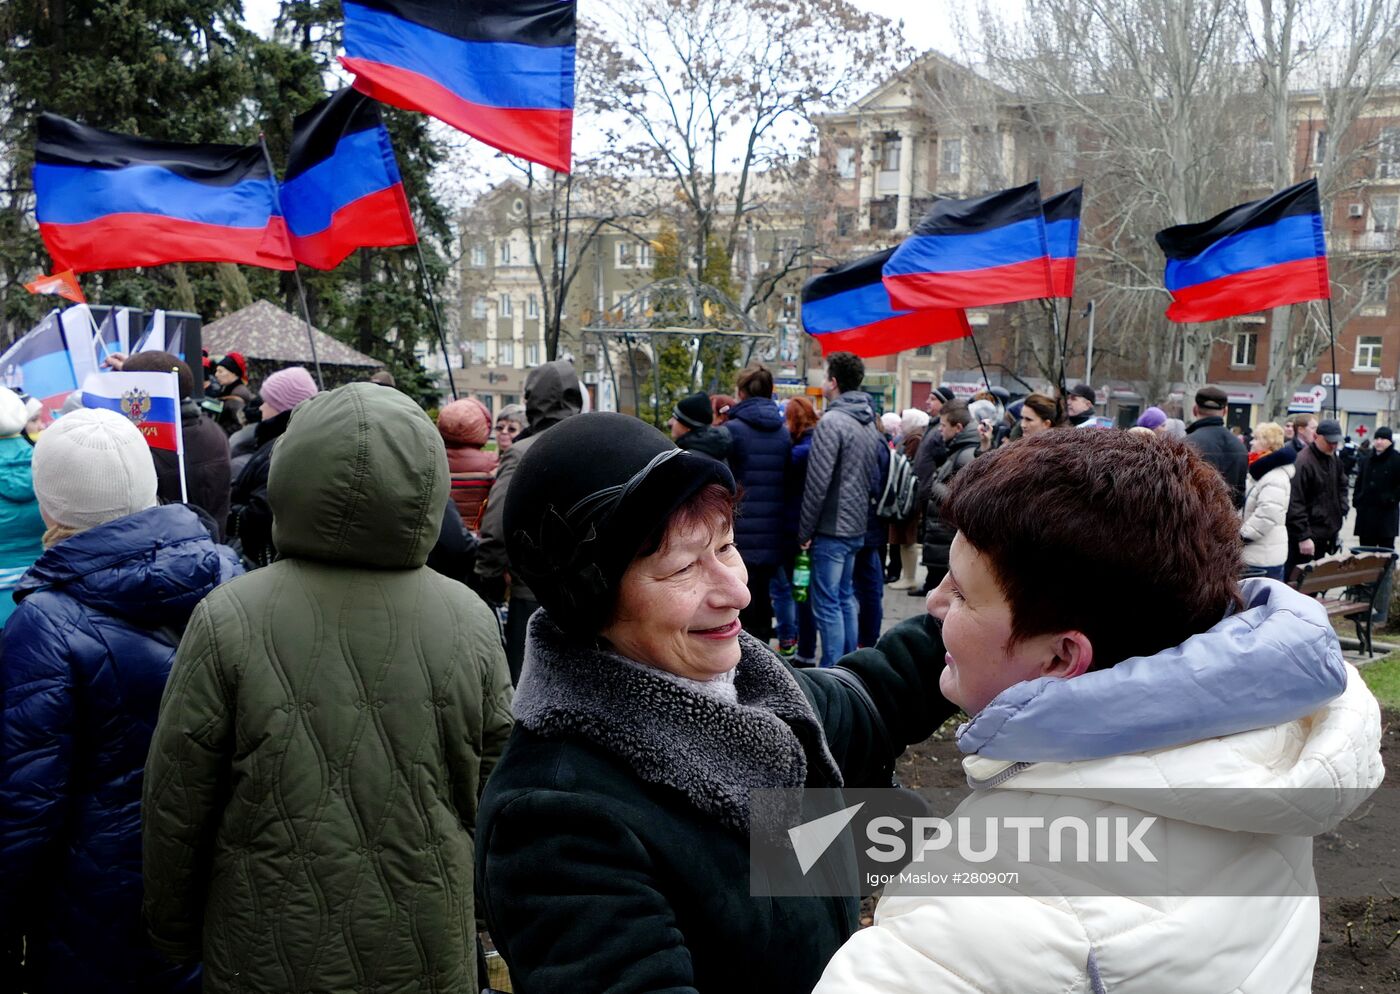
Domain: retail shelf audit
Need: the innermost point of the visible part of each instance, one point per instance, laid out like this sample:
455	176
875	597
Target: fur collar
713	751
1285	456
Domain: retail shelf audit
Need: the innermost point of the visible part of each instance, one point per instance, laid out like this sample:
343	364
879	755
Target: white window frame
1368	354
789	307
532	306
889	154
1388	154
1319	146
950	157
505	352
1384	214
532	353
646	257
846	162
503	252
479	255
1244	353
481	308
625	254
503	306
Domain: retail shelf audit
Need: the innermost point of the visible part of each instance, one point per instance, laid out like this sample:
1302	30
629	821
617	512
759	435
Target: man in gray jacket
552	393
836	501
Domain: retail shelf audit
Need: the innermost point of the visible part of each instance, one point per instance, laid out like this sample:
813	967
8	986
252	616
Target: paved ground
898	605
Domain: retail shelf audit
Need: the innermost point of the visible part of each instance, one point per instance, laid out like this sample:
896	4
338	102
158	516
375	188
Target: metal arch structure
678	306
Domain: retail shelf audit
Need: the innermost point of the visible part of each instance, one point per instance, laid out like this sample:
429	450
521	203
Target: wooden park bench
1358	575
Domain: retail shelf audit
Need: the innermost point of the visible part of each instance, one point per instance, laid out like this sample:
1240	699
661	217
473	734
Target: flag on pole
64	284
973	253
343	189
502	71
39	364
110	201
1263	254
847	309
1062	237
151	401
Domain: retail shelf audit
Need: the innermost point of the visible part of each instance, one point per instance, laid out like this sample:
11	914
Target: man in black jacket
1217	443
1378	494
1318	504
1079	403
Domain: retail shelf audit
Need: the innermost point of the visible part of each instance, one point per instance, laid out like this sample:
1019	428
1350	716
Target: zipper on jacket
999	779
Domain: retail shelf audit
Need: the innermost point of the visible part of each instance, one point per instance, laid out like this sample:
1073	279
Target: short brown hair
161	362
756	381
1301	420
711	505
1145	520
957	413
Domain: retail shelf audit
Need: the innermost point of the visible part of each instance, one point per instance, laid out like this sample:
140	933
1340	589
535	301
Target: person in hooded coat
311	791
960	435
21	525
1135	707
552	393
465	427
759	456
85	658
1377	495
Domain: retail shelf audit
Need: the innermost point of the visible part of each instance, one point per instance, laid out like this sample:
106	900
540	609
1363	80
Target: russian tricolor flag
150	400
847	309
343	189
1259	255
500	70
110	201
974	253
1062	238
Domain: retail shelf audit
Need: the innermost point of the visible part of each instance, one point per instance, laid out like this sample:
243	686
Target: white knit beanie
912	421
91	467
13	416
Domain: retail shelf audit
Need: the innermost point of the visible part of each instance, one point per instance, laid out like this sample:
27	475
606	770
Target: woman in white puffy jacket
1138	702
1266	501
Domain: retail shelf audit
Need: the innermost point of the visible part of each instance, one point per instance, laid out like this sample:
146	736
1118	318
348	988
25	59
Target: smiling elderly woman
614	850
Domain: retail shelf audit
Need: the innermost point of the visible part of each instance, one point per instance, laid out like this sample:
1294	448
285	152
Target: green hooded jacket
311	788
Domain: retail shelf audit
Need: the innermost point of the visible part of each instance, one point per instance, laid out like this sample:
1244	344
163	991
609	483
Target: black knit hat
585	498
944	394
694	411
1085	391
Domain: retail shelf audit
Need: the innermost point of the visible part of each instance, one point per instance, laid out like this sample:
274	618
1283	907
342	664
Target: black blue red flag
110	201
973	253
846	309
1062	238
500	70
342	190
1263	254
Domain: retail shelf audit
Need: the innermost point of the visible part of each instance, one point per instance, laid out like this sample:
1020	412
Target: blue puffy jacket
21	525
759	458
83	663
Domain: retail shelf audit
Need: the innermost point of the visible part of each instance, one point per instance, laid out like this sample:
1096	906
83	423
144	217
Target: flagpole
1332	338
437	318
978	353
296	271
1064	349
180	436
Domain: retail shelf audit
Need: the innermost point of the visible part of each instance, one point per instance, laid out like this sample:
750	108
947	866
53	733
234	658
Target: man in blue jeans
846	447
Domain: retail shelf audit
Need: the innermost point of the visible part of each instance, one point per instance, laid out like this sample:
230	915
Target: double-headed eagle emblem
136	404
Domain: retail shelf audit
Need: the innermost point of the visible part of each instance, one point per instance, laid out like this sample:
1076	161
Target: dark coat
207	473
932	451
1317	504
937	536
795	487
759	458
1378	497
250	516
613	837
86	656
712	440
1219	447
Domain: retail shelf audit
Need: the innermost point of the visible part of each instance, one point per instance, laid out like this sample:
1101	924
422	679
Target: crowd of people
378	679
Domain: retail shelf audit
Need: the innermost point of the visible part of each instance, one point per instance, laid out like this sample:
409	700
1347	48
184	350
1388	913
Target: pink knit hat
287	388
465	422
